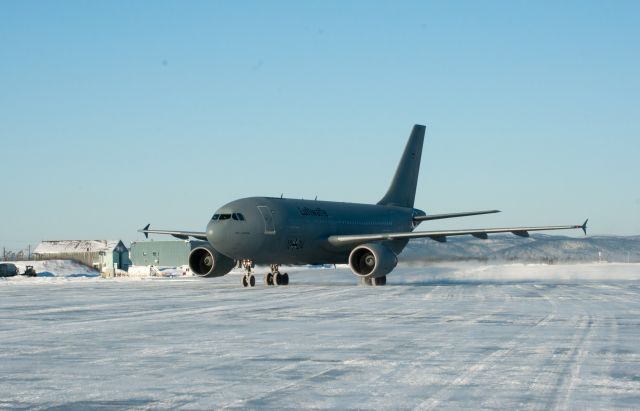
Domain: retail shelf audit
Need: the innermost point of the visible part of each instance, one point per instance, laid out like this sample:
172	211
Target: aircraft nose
213	233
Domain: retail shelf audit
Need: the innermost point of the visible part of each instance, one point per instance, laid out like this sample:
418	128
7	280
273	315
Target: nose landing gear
248	280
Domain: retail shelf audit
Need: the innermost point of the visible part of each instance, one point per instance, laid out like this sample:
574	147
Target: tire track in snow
568	366
384	341
139	312
465	377
580	351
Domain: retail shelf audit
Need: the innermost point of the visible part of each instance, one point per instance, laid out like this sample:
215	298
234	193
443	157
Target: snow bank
140	271
58	268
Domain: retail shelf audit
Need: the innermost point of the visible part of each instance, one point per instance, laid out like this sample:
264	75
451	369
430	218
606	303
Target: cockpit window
235	216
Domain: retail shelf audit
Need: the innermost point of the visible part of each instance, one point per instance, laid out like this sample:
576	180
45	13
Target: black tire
245	282
379	281
268	279
252	281
285	279
277	279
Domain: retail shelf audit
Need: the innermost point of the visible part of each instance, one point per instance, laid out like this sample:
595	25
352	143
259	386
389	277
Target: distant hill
537	248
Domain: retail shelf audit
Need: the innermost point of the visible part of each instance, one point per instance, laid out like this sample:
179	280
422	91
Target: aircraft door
267	216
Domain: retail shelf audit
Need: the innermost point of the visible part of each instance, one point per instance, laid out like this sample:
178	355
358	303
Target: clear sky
117	114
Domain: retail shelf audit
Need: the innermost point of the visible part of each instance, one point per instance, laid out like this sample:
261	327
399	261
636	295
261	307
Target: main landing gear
274	277
379	281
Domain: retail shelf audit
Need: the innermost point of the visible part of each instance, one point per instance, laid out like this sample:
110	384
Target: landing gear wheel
248	281
277	279
285	279
373	281
268	279
379	281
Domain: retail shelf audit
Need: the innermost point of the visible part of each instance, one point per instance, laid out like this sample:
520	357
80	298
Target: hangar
162	253
99	254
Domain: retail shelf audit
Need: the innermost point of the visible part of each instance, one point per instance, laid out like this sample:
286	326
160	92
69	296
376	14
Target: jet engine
204	261
372	260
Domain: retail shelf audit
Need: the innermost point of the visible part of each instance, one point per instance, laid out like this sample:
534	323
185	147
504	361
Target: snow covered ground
57	268
445	336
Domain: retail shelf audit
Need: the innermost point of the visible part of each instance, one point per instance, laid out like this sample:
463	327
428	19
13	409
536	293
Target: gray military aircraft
275	231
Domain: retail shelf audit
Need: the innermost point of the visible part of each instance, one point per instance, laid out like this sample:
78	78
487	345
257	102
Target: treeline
21	255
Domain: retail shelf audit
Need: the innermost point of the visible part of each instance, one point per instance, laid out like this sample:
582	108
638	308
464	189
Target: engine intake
372	260
206	262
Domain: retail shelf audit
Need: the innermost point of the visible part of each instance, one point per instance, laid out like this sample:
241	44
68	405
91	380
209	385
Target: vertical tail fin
402	191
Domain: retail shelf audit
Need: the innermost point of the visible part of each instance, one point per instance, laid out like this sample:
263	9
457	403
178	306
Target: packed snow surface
445	336
55	268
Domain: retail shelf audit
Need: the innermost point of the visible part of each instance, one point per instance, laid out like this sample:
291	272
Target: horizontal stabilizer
182	235
452	215
145	230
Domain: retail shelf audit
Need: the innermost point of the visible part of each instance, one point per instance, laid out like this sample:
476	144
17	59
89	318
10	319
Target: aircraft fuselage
287	231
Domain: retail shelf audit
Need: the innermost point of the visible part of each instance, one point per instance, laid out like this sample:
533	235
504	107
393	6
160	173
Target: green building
173	253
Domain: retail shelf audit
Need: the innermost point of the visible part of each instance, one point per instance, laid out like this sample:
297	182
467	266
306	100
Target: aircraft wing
441	236
183	235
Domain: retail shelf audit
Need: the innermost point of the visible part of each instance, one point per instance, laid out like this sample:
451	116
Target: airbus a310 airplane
369	237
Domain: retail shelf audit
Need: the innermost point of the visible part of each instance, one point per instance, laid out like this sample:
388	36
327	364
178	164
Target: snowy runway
447	336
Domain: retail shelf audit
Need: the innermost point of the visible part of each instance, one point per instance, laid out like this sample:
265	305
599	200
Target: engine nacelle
372	260
204	261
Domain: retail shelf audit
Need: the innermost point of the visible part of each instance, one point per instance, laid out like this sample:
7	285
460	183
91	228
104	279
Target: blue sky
116	114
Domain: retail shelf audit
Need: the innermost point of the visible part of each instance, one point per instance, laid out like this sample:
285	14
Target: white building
98	254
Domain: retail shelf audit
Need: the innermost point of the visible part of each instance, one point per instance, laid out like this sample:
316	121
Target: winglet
584	226
144	230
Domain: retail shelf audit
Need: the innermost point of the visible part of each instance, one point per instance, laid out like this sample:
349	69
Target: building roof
78	246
